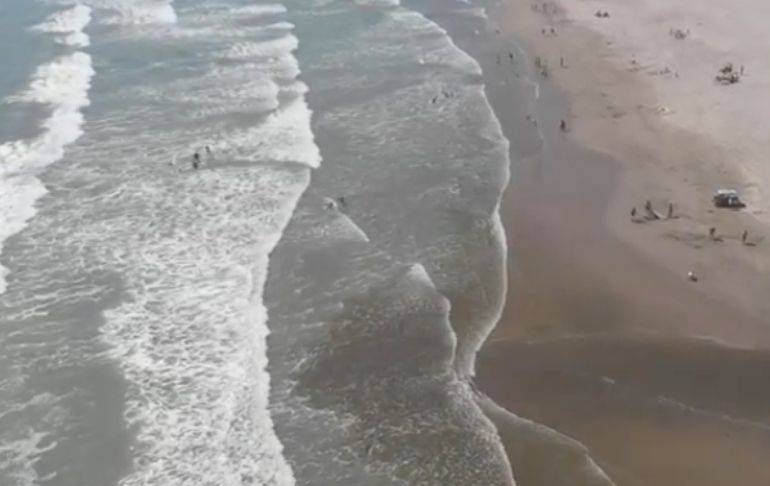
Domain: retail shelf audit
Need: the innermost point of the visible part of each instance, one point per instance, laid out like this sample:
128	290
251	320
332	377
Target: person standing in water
196	161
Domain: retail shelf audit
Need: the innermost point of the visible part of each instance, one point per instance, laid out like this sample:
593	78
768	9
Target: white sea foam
62	85
378	3
136	12
19	458
284	137
268	48
21	445
190	339
259	10
67	26
224	90
444	51
479	12
331	228
213	13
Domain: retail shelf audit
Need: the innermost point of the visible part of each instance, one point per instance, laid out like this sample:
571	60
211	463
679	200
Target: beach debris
601	15
727	198
511	57
538	61
727	75
691	276
561	62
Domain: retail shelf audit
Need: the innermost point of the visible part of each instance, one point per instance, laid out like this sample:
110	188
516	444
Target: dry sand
597	338
673	158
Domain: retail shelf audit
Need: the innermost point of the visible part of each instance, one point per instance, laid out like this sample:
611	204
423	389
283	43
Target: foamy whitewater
62	86
67	25
303	308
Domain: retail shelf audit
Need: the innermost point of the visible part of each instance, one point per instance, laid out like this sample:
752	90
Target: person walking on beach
633	212
712	232
563	125
745	236
670	210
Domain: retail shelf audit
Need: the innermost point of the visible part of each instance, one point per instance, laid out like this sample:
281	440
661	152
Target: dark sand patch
651	411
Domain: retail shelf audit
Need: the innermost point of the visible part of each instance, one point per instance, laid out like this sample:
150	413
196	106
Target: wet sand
602	337
651	411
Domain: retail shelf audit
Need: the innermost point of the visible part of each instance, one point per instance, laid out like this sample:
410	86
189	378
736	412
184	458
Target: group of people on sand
651	214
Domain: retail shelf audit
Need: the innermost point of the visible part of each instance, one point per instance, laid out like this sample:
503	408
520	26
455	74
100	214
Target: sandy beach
614	109
603	336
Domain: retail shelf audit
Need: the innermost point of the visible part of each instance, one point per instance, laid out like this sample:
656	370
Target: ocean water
306	307
378	303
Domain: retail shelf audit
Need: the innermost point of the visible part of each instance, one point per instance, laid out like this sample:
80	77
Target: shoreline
581	272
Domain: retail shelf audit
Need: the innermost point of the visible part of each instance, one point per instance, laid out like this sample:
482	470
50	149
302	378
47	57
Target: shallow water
390	273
